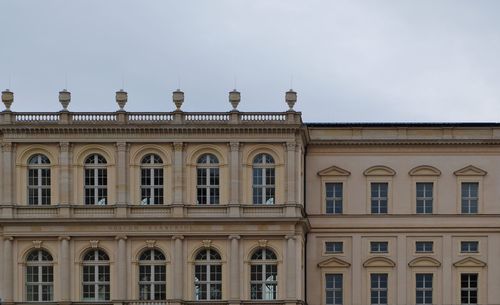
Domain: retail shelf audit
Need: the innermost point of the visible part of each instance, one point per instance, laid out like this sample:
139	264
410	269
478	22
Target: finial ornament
291	98
121	99
64	99
178	98
7	98
234	98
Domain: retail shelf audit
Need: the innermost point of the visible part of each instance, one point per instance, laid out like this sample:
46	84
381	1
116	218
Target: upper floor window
379	247
470	197
264	179
424	246
424	197
39	180
379	197
95	276
39	277
152	275
207	183
469	246
263	275
334	198
334	247
96	180
151	180
334	289
208	275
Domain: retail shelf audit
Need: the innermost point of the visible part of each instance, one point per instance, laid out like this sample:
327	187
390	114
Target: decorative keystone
234	98
64	99
7	99
121	99
178	98
291	98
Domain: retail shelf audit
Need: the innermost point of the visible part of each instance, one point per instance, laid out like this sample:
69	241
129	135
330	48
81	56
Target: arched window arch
208	275
207	179
152	275
263	179
263	275
39	180
95	271
39	276
151	180
96	180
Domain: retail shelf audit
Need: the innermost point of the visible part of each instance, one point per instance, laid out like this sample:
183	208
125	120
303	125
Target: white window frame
96	263
154	164
206	167
265	264
40	264
265	169
95	166
206	265
151	264
40	165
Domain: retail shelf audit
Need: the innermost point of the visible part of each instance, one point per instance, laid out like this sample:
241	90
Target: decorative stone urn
234	98
291	98
121	99
7	99
178	98
64	99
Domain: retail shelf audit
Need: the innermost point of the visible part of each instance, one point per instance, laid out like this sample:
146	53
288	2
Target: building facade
245	208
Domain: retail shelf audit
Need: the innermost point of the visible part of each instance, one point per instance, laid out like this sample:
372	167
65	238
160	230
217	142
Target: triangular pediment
334	171
470	262
379	170
333	262
470	171
379	262
424	262
425	170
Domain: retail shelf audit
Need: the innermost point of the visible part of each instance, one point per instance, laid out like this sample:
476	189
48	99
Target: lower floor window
334	291
378	291
423	289
263	282
96	283
468	288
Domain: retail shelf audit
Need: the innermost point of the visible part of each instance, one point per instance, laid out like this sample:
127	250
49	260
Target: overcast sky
398	60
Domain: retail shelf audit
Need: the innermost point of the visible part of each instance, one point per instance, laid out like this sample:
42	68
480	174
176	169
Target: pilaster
65	268
64	173
178	166
7	167
121	173
8	269
234	269
234	173
291	265
122	263
178	264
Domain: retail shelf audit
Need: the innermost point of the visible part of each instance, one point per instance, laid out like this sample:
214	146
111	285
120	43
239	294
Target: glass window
334	247
334	198
96	180
208	275
379	247
151	180
207	187
39	180
334	289
263	179
424	197
468	288
470	197
423	289
263	275
424	246
152	275
379	193
95	271
378	288
39	277
469	246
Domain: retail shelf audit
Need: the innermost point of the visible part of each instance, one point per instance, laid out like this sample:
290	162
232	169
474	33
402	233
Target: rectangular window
378	289
334	198
424	246
470	197
424	197
468	288
423	289
334	247
333	289
379	247
469	246
379	197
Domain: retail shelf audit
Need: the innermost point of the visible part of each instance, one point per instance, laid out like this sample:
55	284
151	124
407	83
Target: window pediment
334	171
470	262
425	170
333	262
379	170
470	171
424	262
379	262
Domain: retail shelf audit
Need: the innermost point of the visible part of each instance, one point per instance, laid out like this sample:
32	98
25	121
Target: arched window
152	275
263	175
151	180
263	275
39	276
95	276
208	275
39	180
96	180
207	188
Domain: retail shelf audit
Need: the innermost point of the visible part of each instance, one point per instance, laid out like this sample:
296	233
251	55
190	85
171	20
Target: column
178	266
121	173
234	178
8	270
121	265
64	184
234	270
7	173
65	269
178	179
291	268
